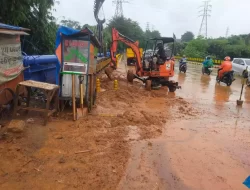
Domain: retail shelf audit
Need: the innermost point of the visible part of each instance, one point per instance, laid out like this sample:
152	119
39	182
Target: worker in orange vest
226	66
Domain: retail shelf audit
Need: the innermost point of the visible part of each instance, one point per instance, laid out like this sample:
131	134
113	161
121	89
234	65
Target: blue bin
41	68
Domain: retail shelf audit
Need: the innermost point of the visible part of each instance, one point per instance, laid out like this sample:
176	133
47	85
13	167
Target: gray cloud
167	16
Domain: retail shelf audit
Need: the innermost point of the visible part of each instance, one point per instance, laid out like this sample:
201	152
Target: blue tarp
65	31
70	31
247	182
10	27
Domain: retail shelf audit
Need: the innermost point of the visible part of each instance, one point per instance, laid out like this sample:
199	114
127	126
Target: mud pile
91	153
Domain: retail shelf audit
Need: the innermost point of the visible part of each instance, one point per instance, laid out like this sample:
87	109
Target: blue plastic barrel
41	68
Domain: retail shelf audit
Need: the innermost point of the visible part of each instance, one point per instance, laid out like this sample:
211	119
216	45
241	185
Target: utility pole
118	7
227	32
206	10
147	26
153	27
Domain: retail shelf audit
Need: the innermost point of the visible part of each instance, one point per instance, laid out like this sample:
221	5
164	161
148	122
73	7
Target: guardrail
200	60
103	63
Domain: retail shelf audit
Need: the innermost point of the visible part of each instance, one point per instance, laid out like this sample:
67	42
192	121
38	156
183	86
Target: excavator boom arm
134	45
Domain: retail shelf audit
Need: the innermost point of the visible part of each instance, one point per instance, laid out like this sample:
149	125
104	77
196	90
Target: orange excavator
153	70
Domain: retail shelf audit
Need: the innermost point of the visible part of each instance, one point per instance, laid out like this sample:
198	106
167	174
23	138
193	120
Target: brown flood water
193	139
211	151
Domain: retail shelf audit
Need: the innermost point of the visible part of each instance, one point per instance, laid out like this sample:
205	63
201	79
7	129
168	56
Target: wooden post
73	97
91	91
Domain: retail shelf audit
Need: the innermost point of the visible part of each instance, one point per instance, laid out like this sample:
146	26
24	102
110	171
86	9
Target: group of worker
226	65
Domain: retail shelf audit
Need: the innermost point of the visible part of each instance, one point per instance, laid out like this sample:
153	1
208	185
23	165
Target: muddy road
195	138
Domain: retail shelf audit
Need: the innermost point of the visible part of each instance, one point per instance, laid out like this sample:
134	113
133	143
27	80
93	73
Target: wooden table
49	91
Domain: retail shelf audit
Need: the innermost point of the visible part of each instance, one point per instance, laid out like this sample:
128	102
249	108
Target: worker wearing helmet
226	66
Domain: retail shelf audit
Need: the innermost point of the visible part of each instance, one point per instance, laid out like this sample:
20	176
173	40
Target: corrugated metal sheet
12	32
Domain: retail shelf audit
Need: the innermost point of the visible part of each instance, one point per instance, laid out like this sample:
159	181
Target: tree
35	15
196	48
216	48
179	48
71	24
186	37
128	28
131	29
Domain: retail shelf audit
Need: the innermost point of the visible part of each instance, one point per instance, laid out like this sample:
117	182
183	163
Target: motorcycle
207	71
227	78
183	68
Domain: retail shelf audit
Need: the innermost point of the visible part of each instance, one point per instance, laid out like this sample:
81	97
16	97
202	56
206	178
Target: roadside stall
76	51
11	65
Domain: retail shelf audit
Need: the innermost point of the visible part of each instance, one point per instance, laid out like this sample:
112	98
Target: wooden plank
41	85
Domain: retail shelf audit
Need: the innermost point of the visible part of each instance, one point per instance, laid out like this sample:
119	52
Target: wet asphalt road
205	89
199	153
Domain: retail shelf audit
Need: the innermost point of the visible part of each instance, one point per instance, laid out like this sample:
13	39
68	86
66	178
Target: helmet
208	57
227	58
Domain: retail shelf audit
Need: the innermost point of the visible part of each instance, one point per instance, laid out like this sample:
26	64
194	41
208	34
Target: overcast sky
167	16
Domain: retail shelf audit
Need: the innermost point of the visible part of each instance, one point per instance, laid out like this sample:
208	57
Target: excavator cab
159	67
162	53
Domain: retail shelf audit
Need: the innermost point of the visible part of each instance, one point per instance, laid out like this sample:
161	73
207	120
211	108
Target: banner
11	61
76	55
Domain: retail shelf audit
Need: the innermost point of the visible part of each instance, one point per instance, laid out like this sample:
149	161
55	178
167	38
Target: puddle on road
187	154
196	86
148	168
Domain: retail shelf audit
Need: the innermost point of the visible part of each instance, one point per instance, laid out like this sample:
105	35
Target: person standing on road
226	66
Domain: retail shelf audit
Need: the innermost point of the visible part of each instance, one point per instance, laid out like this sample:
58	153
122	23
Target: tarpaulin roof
72	32
12	30
10	27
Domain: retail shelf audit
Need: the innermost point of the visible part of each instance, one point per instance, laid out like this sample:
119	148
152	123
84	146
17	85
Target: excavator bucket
108	72
130	76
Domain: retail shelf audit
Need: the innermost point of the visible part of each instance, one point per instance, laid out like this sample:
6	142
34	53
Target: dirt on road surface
135	139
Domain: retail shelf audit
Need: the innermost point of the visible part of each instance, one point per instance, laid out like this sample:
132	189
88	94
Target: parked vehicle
227	78
131	59
240	64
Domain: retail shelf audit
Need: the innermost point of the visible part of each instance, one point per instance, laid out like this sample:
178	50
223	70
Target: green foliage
71	24
196	48
217	48
129	28
234	46
179	48
35	15
188	36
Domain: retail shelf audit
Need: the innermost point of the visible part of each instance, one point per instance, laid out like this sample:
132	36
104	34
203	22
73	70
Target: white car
240	64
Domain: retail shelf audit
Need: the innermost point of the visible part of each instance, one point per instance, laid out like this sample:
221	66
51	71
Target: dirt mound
91	153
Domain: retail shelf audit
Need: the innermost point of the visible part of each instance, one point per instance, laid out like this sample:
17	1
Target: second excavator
154	70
